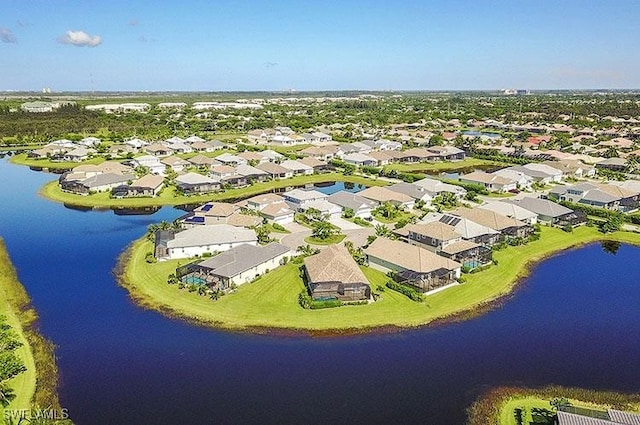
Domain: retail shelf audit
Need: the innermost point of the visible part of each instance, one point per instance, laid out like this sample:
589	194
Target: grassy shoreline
270	303
53	192
37	387
496	406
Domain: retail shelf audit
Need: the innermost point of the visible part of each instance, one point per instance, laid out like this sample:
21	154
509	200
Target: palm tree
323	230
382	230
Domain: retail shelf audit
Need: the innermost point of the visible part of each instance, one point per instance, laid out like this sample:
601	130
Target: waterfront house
157	149
433	236
416	155
360	159
418	193
236	266
298	198
469	230
361	207
97	183
296	167
201	240
491	182
194	183
381	195
507	226
607	196
333	274
511	210
550	212
275	171
447	153
146	186
317	165
412	264
78	154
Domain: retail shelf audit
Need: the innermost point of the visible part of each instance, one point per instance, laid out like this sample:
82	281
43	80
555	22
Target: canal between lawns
575	322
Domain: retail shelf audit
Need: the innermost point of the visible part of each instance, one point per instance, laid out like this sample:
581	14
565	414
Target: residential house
317	152
438	187
326	208
511	210
193	183
491	182
230	160
150	162
317	165
571	416
333	274
613	164
469	230
272	155
236	266
361	207
382	157
157	149
253	157
416	155
98	183
296	167
201	240
202	161
146	186
573	168
382	194
447	153
298	198
607	196
412	264
77	154
360	160
433	236
259	202
550	212
222	171
175	163
275	171
252	174
507	226
523	181
418	193
279	213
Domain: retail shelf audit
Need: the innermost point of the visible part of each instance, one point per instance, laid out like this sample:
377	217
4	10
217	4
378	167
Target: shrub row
411	293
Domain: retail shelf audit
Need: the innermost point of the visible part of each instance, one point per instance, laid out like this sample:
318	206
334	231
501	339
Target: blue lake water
575	321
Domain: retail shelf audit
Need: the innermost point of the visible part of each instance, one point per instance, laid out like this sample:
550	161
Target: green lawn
272	300
21	159
441	166
12	299
334	239
168	196
527	402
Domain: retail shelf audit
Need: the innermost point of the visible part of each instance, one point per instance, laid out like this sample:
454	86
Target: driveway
344	224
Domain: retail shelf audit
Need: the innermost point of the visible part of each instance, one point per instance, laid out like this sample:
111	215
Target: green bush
411	293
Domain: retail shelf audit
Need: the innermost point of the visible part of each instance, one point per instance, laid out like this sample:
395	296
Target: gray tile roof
542	207
212	235
242	258
350	200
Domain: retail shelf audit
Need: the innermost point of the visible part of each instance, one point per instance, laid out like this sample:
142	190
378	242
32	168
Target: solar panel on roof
450	220
207	207
195	219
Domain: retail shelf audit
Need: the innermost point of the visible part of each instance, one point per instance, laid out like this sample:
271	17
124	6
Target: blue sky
318	45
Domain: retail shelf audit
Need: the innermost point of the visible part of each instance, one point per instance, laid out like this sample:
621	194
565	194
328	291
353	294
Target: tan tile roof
334	264
487	218
382	194
409	257
459	246
435	230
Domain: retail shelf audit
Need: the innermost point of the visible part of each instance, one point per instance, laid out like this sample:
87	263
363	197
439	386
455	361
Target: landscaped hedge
411	293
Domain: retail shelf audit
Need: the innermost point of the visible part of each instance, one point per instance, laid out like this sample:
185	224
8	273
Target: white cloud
80	39
6	36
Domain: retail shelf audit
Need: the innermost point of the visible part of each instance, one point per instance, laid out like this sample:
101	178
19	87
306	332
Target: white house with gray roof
201	240
361	206
238	265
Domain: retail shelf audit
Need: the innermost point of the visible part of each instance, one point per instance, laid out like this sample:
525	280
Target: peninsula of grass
333	239
271	302
497	406
22	159
169	196
37	386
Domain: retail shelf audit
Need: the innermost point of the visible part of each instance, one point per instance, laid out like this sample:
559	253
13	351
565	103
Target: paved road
344	224
295	239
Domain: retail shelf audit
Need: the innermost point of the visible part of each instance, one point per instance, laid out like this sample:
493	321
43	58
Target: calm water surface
575	322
